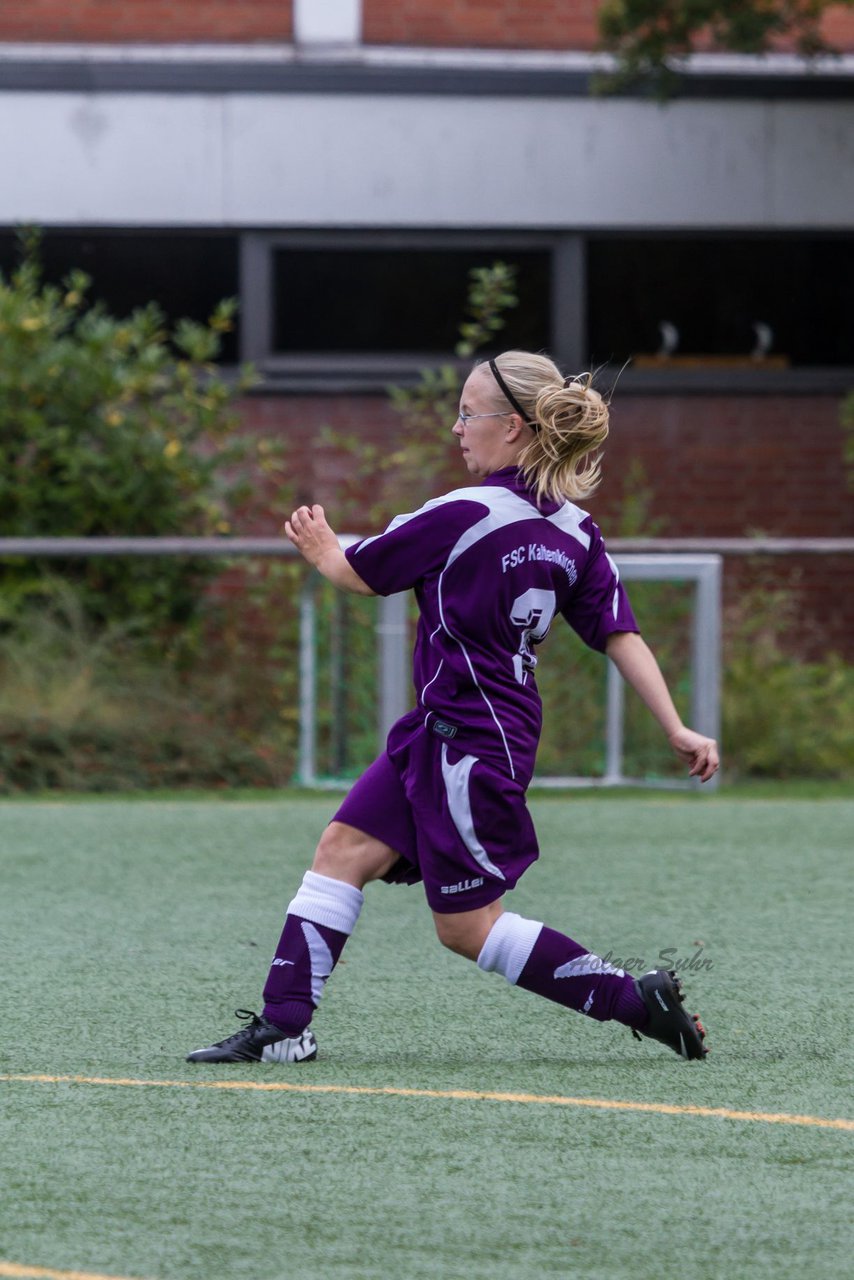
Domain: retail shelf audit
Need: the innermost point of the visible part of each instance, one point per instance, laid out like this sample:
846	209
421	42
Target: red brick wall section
502	24
724	467
150	21
508	24
712	467
715	466
838	27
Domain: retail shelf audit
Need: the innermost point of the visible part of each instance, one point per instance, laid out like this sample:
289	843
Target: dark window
186	274
396	301
724	298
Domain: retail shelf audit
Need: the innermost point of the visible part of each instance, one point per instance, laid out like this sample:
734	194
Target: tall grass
101	709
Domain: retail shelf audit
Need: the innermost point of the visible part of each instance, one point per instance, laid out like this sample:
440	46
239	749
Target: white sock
508	945
323	900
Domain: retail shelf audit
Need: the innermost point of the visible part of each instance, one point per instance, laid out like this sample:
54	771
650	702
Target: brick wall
838	27
722	467
154	21
712	467
538	24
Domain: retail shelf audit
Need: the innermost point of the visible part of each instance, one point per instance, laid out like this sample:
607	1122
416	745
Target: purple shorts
458	824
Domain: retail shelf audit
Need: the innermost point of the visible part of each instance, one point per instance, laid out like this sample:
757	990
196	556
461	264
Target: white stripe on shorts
456	777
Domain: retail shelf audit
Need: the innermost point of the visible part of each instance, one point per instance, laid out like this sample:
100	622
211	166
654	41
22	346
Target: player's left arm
636	663
316	542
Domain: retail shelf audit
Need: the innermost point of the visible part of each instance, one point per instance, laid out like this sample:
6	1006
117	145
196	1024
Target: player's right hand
310	533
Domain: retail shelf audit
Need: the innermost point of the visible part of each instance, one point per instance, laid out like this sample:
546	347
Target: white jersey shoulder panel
569	519
504	508
472	494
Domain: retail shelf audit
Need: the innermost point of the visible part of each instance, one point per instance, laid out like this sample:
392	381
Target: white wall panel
110	158
811	163
327	21
361	160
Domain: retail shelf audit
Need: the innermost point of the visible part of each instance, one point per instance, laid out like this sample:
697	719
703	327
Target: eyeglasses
465	418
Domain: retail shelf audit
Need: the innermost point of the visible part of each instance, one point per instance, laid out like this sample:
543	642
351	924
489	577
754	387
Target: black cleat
258	1041
661	992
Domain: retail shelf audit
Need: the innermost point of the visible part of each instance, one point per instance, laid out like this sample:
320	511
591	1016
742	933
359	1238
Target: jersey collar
511	478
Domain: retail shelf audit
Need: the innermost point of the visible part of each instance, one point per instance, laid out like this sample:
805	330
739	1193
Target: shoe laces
248	1015
251	1021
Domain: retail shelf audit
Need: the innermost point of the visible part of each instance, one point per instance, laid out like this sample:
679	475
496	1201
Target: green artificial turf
129	933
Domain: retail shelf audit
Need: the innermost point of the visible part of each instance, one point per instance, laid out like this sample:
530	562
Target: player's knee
343	853
465	932
338	851
452	935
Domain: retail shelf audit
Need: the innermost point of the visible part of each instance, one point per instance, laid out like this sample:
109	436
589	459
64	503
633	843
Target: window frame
331	373
338	371
720	379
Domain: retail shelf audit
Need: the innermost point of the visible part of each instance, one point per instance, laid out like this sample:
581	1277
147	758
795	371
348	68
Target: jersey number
533	611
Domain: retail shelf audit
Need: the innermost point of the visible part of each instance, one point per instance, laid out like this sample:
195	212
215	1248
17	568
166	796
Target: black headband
535	426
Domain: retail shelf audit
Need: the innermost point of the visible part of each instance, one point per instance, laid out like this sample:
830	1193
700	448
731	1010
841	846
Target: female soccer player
491	566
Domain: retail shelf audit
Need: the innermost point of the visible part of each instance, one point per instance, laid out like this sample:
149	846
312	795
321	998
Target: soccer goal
393	639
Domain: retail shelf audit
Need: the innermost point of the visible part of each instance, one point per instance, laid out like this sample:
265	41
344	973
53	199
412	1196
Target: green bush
113	427
782	717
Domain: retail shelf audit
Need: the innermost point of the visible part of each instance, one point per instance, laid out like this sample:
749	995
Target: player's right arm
416	544
316	542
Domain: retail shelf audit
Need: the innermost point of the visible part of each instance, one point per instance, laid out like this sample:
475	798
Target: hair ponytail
569	420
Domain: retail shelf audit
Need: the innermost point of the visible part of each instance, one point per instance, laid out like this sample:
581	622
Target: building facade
341	166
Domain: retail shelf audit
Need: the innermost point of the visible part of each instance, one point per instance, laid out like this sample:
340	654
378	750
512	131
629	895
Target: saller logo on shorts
462	885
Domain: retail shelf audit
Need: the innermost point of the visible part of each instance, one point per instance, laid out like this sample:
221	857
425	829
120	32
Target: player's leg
481	839
320	918
369	838
530	955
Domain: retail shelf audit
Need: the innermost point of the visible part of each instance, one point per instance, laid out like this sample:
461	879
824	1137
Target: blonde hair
570	422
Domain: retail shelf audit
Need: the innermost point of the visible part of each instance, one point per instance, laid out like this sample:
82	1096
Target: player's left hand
698	751
310	533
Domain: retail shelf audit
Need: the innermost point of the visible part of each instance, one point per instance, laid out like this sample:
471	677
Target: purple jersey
490	570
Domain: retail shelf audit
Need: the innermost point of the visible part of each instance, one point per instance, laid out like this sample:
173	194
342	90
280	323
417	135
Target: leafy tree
112	426
647	35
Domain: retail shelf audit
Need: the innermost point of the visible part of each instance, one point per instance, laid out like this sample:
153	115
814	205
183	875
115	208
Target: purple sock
320	919
541	960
